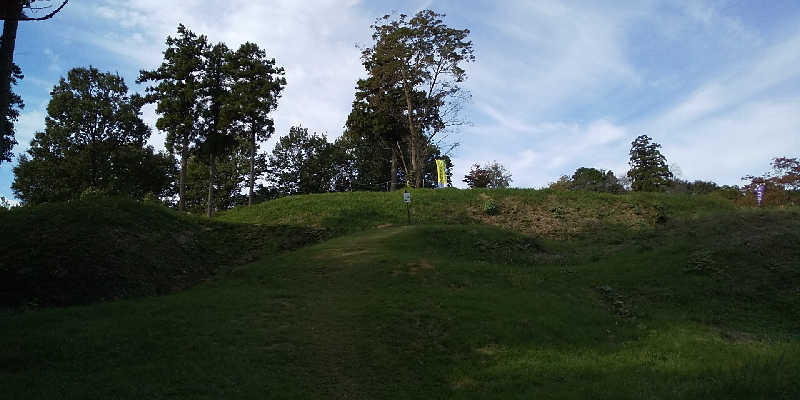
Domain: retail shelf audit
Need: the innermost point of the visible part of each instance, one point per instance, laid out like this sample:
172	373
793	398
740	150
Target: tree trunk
212	177
417	161
182	184
393	176
412	136
9	38
252	166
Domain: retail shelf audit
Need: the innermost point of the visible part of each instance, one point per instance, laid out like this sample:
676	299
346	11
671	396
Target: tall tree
11	12
424	59
649	171
374	133
177	92
216	137
94	139
257	85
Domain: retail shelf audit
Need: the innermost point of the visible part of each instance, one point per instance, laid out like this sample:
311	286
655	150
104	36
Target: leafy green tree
177	92
595	180
11	12
94	140
493	176
303	163
649	171
422	59
256	88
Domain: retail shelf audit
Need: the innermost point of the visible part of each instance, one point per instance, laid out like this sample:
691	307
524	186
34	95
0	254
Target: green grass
673	302
85	251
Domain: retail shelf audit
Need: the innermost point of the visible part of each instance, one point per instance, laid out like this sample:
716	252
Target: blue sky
557	85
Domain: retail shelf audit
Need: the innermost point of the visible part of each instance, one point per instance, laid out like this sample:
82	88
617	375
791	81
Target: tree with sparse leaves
94	141
649	171
422	60
492	176
177	93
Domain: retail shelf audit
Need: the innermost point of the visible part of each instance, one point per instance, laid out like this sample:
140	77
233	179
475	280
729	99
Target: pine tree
256	88
216	138
177	92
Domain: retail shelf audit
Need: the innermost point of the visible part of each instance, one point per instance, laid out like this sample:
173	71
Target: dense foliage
595	180
649	171
416	67
303	163
94	140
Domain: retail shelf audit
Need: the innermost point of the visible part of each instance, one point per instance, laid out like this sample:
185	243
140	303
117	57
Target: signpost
407	200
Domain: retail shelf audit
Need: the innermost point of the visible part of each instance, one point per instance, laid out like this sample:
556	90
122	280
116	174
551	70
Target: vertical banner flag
441	171
760	193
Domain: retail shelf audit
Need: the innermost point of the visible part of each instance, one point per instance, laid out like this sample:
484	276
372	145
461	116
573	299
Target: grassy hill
560	295
89	250
536	212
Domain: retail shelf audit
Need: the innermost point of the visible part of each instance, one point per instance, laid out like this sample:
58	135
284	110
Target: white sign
407	197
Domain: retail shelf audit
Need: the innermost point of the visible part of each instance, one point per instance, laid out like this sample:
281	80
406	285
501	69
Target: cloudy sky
557	85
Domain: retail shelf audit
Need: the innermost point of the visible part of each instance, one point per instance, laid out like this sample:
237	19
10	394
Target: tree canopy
257	86
649	171
176	91
303	163
417	63
595	180
94	140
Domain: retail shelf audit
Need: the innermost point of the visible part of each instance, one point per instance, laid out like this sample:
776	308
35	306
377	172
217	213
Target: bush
490	207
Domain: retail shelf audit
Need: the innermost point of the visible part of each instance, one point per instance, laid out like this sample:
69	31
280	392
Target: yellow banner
441	170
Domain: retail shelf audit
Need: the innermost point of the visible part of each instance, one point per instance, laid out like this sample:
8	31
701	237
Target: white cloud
537	154
556	86
733	125
313	40
537	56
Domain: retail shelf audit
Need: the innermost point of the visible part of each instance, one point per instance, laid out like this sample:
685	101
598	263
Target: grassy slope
84	251
538	212
702	304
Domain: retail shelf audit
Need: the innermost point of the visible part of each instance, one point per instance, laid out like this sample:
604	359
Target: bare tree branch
46	17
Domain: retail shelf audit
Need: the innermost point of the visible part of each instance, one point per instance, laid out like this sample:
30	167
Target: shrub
490	207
